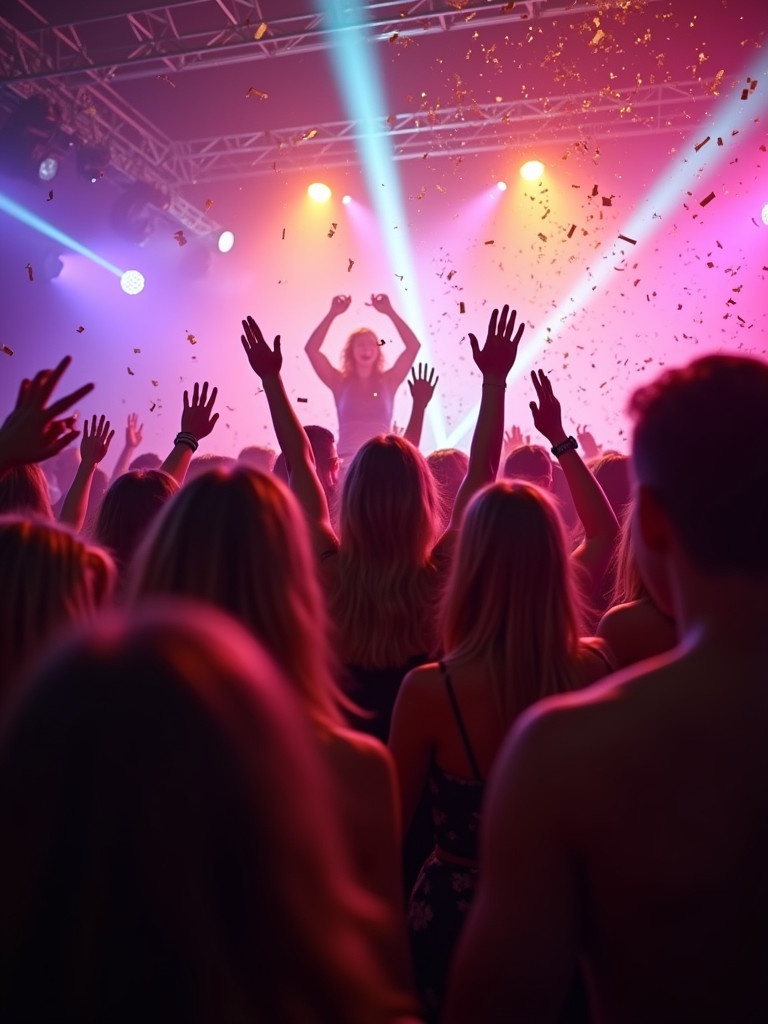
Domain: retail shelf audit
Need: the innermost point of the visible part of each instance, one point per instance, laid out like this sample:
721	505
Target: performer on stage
363	389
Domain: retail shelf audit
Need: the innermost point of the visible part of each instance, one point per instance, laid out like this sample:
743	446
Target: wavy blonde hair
511	602
51	578
236	538
384	606
348	367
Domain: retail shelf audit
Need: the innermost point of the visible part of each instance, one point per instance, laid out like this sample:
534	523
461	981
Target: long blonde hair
51	578
236	538
384	605
511	602
348	366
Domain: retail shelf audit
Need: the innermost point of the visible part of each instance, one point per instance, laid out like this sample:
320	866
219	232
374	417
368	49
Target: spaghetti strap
460	722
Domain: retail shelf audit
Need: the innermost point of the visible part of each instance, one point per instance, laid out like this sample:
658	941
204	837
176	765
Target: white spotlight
48	168
765	214
346	200
226	241
501	186
319	192
532	170
132	282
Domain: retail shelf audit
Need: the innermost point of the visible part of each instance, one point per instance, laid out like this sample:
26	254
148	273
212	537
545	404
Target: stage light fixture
48	168
226	241
132	282
135	212
765	214
30	136
532	170
319	192
51	265
92	161
501	186
346	200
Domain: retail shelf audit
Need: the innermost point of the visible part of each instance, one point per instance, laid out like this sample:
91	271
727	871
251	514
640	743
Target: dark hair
169	847
25	489
698	445
529	462
129	506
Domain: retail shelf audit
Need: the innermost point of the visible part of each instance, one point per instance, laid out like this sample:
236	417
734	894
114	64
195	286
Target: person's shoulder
361	757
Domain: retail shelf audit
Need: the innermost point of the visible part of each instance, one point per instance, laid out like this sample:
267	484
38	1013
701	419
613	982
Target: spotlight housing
134	213
48	168
532	170
346	200
764	214
225	241
319	192
92	161
501	186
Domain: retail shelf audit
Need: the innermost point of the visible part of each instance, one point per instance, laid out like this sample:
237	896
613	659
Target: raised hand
134	431
422	384
264	360
514	438
95	443
381	303
196	418
546	415
340	304
34	432
497	357
589	445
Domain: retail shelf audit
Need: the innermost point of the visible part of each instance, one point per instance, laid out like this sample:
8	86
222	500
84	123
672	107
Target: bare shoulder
360	752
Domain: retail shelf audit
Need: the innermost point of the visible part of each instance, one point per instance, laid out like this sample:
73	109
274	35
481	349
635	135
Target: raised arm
601	528
327	373
94	445
494	360
34	431
134	432
293	441
197	421
398	372
422	389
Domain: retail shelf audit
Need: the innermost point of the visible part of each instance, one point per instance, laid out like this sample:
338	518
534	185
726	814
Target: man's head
699	451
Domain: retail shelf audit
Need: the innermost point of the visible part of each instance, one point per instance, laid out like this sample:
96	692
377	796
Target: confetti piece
136	351
308	135
745	94
462	308
261	31
542	236
350	265
451	274
80	329
153	407
626	238
381	342
166	79
332	230
283	232
208	204
702	143
179	236
607	201
707	199
50	196
155	383
29	271
256	92
302	399
191	339
8	351
571	230
130	371
594	190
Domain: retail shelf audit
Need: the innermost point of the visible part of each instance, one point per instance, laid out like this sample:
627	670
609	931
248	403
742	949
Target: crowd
387	737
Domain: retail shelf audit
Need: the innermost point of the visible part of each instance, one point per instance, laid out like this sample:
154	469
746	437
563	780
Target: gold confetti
332	230
350	265
29	271
489	242
283	233
542	236
700	144
80	329
179	236
166	79
8	351
208	204
261	31
191	339
253	91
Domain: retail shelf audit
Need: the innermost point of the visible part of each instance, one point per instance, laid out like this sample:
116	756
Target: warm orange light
532	170
319	192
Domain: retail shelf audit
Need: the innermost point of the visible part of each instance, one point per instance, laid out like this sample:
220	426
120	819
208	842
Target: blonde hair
51	578
384	606
348	365
236	538
627	582
24	488
511	601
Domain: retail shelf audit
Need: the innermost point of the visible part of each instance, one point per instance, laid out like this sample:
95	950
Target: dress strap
460	722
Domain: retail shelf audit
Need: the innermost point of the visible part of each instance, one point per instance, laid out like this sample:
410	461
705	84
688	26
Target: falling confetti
707	199
130	371
136	351
489	242
626	238
462	308
332	230
302	399
8	351
350	265
253	91
179	236
191	339
50	196
702	143
571	230
153	407
283	233
261	31
382	342
80	329
166	79
29	271
208	204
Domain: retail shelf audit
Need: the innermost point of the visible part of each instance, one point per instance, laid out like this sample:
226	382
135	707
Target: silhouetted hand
422	386
196	418
95	443
340	304
546	415
381	303
497	357
589	445
32	432
514	438
264	360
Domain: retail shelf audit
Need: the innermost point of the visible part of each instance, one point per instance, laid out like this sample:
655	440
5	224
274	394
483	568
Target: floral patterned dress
446	883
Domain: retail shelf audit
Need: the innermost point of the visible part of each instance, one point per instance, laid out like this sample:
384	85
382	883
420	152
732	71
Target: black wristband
568	445
185	437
